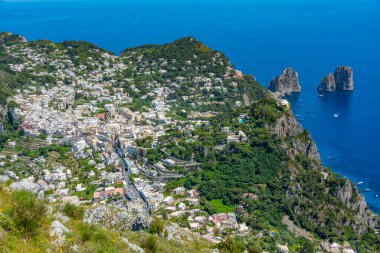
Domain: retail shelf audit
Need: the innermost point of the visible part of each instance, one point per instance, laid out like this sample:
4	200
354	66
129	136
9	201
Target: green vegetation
24	214
7	84
218	206
140	105
245	163
150	244
81	51
261	167
9	39
156	227
181	63
182	51
24	227
94	239
73	211
230	246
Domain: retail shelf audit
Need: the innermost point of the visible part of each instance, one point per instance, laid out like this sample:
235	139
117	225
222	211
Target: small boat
361	182
329	157
367	189
336	115
321	95
377	195
301	100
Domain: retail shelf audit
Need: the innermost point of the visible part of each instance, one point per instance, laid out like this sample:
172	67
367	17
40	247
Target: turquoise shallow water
261	37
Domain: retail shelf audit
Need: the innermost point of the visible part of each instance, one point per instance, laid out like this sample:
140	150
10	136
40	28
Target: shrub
27	211
308	247
156	227
228	246
73	211
95	239
150	244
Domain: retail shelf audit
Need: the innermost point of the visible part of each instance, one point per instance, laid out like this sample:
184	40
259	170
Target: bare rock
286	83
4	178
58	231
342	79
287	126
304	144
327	84
354	200
61	217
108	217
26	184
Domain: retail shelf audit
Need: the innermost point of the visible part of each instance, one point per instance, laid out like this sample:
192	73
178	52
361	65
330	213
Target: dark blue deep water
261	37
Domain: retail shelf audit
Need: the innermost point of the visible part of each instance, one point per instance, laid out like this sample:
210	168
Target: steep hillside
170	140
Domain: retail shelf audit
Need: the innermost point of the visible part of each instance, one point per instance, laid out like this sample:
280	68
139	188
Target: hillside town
102	131
117	130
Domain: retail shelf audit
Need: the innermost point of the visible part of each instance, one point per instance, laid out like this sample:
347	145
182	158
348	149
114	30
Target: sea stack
342	79
286	83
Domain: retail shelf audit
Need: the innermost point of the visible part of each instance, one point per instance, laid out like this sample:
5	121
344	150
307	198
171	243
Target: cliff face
299	142
327	84
285	83
287	126
342	79
354	200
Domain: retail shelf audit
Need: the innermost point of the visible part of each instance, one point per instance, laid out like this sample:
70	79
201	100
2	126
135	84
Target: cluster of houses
88	108
185	204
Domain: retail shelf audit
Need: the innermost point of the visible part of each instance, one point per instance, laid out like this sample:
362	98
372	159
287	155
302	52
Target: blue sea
261	37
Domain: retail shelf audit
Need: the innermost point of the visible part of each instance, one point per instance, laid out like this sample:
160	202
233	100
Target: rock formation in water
286	83
342	79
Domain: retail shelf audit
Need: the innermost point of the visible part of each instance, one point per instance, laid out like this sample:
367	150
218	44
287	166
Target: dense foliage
260	176
26	213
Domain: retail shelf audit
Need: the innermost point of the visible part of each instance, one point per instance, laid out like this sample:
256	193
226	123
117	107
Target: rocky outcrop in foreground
342	79
286	83
108	217
58	231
